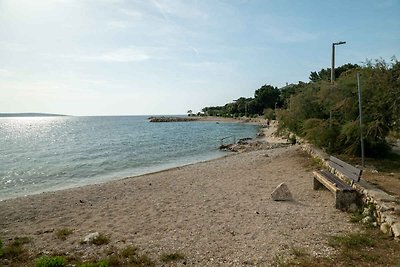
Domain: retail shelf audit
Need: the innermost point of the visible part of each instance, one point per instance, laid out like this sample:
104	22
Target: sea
40	154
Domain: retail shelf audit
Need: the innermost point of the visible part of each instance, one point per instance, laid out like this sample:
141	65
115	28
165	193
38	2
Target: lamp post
333	61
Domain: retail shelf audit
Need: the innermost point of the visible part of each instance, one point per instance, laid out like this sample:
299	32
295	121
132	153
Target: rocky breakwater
249	144
171	119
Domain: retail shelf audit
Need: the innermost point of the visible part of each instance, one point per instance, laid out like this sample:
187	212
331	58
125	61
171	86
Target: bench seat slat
345	172
333	180
348	170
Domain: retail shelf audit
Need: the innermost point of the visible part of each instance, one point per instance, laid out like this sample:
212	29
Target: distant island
30	115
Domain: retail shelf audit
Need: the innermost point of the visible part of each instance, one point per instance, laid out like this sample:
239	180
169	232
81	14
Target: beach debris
90	237
281	193
396	229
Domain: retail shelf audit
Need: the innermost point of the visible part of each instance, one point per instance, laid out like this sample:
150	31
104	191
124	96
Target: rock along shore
171	119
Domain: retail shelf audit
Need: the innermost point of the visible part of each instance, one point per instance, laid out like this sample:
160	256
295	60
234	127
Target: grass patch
352	241
356	217
168	257
100	240
63	233
15	254
298	252
15	250
310	163
370	248
101	263
131	255
46	261
279	261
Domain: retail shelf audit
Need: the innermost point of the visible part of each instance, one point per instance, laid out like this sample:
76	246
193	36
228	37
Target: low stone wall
381	207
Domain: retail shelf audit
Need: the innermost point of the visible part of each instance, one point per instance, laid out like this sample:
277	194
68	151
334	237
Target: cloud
6	73
117	25
179	9
118	55
14	47
131	13
288	35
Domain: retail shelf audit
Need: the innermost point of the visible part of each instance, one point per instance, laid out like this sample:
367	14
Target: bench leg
343	199
317	184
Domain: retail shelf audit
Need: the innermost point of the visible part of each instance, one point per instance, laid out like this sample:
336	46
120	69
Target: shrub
101	240
46	261
63	233
269	114
15	249
167	257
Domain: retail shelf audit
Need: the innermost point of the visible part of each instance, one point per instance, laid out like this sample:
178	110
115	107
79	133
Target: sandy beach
216	213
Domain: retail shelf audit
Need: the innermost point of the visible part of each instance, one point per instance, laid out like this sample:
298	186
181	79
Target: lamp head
339	43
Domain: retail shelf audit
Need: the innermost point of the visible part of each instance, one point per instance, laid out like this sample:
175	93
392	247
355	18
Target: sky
152	57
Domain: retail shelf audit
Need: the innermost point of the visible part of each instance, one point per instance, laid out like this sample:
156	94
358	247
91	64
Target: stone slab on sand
216	213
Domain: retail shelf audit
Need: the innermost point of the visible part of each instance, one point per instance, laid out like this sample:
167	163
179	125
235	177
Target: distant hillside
30	115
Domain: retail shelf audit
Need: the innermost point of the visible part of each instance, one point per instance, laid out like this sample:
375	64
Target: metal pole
361	125
333	64
333	61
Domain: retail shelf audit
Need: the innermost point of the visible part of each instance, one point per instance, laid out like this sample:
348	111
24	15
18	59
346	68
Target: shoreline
117	176
216	212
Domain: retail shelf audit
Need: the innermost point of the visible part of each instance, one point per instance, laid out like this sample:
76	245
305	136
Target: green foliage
269	114
266	96
320	132
168	257
325	74
15	249
327	114
100	240
352	241
131	255
63	233
46	261
101	263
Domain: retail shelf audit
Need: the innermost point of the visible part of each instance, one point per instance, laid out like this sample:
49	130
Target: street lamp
333	61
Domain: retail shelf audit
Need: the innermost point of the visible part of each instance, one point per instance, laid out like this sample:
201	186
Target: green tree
265	97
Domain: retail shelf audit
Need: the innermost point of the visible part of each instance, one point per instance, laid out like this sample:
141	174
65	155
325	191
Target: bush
46	261
100	240
167	257
15	249
63	233
269	114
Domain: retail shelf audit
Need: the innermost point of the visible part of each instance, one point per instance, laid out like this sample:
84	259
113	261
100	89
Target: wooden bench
344	193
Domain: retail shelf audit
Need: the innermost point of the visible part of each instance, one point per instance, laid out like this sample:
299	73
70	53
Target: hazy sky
107	57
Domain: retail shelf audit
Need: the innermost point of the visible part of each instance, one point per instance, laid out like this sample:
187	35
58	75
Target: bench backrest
346	169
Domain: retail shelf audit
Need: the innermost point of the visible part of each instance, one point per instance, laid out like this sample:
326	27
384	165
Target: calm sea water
40	154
